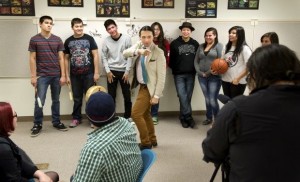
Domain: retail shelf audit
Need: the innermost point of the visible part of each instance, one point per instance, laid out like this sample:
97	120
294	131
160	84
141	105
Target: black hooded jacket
182	55
15	165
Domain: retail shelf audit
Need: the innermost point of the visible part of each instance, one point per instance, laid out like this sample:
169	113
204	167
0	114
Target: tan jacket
155	65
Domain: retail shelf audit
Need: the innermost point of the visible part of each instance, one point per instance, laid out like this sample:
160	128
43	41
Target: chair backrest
149	158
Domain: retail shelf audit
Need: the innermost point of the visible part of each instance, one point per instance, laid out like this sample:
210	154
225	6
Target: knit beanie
100	108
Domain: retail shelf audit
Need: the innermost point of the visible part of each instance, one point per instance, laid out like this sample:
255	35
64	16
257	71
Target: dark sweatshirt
182	55
15	165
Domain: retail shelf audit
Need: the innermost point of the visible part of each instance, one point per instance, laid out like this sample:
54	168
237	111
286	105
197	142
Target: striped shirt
47	59
110	154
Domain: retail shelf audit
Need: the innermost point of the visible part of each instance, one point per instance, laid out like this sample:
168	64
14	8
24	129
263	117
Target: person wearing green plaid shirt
111	152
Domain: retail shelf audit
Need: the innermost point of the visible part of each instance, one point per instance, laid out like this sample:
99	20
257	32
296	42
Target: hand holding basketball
219	66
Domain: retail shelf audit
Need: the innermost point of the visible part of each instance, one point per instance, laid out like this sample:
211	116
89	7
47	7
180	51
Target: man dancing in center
149	71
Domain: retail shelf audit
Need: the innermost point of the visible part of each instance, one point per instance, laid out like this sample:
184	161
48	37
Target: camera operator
258	135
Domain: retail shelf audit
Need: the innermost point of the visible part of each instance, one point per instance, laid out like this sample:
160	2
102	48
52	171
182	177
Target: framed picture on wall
243	4
17	8
112	8
158	3
66	3
201	8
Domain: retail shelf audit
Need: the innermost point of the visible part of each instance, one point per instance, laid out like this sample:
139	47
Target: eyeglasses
15	115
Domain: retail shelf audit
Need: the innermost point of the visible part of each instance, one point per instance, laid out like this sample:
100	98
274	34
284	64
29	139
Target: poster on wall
66	3
243	4
158	3
201	8
112	8
17	8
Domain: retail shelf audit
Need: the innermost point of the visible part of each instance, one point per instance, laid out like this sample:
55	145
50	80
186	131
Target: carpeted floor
179	151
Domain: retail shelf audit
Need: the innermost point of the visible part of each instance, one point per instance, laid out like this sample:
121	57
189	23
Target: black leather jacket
15	165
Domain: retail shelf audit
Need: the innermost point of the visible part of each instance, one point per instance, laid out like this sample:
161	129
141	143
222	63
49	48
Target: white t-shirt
237	64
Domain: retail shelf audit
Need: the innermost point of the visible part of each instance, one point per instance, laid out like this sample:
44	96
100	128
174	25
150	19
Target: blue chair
149	158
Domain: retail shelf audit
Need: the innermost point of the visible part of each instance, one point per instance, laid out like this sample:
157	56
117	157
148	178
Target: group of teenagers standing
188	57
76	63
78	66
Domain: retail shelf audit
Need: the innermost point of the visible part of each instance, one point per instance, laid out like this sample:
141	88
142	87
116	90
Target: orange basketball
219	65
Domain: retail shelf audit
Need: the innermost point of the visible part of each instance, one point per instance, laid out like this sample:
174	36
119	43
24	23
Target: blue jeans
43	83
210	87
80	84
184	84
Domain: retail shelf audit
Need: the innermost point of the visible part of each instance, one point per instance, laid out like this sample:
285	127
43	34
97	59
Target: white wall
279	14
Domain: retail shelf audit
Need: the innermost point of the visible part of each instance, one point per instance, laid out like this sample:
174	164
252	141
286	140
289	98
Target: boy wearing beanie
111	152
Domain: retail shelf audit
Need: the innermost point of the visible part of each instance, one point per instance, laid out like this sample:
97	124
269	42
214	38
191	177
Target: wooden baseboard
69	117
